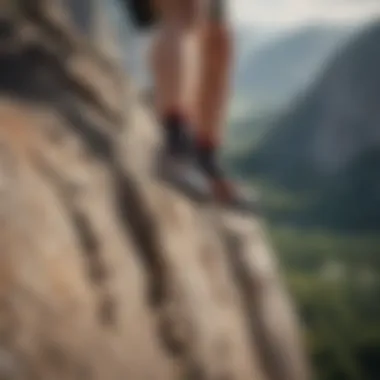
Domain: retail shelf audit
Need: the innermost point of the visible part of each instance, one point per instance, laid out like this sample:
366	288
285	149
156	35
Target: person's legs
177	20
212	98
215	66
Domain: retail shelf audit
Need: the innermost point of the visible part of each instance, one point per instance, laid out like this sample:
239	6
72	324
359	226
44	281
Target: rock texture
104	272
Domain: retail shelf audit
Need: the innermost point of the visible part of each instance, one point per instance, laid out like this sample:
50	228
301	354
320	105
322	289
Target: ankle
175	124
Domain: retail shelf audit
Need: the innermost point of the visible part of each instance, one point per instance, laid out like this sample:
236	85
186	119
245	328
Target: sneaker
222	189
195	172
176	165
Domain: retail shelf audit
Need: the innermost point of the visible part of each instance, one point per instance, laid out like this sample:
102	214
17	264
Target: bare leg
169	65
179	20
216	57
215	66
166	65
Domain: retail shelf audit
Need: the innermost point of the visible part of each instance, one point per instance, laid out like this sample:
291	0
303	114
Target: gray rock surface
105	273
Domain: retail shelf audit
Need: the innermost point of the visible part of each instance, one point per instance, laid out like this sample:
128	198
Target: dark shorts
217	10
143	15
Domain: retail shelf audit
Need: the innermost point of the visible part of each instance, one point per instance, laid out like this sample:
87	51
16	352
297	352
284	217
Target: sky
298	12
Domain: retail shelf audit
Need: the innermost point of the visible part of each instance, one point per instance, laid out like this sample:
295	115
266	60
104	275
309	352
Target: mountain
328	142
274	72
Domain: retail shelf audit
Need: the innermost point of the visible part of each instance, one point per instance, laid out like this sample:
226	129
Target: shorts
144	15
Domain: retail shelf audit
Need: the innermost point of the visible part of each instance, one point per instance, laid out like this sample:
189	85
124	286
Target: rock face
104	272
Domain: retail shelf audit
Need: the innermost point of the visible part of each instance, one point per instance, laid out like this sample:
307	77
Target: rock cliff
105	273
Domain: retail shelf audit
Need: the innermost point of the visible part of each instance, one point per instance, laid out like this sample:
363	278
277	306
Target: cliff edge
106	273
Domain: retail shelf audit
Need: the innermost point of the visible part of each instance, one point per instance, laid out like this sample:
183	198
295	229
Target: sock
175	126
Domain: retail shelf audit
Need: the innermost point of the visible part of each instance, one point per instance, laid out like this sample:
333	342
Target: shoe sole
245	206
182	177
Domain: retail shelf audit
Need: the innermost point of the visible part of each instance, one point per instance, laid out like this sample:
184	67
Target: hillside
272	74
337	119
105	272
326	141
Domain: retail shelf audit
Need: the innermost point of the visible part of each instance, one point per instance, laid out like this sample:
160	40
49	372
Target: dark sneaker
223	190
195	172
181	173
185	174
175	163
230	196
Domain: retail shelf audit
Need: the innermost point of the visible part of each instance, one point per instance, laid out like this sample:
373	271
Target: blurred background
304	129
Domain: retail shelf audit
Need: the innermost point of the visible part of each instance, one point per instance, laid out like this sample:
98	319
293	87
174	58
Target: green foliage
351	199
336	283
335	279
